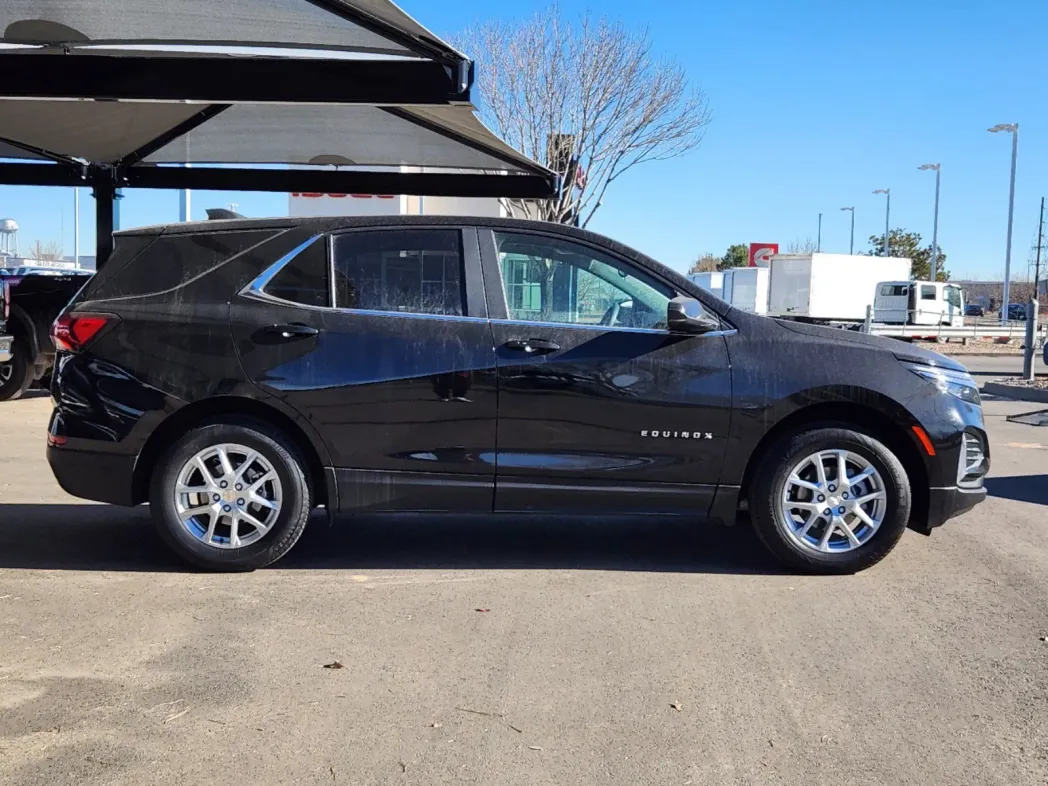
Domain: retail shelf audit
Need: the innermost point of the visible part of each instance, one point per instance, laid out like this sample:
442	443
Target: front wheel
830	500
230	496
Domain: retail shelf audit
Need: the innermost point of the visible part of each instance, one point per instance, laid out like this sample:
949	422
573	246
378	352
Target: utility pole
1032	307
1040	242
818	243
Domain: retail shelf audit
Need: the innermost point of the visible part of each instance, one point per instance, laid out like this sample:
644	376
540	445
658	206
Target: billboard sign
308	204
761	254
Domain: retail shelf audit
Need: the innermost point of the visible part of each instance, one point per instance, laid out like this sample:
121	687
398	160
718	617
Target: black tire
291	520
770	479
17	382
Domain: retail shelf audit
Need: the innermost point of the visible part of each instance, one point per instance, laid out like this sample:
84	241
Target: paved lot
118	667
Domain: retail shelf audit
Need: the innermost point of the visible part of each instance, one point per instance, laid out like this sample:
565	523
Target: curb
1016	393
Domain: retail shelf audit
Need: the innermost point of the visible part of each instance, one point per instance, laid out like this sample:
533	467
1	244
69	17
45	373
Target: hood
910	353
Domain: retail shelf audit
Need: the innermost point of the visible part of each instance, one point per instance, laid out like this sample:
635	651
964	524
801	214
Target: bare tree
806	246
587	98
707	263
46	252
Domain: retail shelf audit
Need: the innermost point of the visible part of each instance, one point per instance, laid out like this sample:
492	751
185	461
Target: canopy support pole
105	198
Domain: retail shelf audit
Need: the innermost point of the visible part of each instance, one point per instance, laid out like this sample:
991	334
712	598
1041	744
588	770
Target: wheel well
198	412
866	419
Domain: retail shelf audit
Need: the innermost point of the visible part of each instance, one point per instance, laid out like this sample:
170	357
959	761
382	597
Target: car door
600	406
379	337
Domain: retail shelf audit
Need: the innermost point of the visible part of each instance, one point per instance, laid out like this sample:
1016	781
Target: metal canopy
376	26
111	93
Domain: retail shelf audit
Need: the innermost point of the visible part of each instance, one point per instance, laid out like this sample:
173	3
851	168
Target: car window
306	279
410	270
953	296
894	290
928	292
547	279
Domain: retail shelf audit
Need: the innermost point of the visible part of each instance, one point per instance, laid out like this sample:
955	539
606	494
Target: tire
770	519
295	496
15	376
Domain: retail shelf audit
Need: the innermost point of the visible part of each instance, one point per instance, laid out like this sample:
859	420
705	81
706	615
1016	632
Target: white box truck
746	288
712	281
829	287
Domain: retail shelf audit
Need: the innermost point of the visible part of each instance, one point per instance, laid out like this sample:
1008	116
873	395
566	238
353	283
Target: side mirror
686	315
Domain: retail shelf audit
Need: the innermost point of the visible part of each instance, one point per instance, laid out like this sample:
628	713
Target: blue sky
815	104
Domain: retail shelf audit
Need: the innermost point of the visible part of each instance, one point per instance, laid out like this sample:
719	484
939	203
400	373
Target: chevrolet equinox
238	374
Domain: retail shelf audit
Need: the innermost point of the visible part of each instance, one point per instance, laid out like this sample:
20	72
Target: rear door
600	406
378	337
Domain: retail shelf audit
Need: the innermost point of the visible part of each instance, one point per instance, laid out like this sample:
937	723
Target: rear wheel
15	376
830	500
231	496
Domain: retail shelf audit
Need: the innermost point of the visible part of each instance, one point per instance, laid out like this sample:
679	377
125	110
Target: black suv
237	374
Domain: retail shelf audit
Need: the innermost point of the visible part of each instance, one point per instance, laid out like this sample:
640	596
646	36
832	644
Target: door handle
533	346
291	331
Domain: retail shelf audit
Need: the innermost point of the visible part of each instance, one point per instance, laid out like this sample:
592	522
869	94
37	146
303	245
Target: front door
600	406
376	338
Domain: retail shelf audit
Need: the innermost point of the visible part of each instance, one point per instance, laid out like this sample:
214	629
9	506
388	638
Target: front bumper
947	503
6	342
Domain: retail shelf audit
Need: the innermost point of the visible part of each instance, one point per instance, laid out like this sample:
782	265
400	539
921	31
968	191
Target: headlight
956	383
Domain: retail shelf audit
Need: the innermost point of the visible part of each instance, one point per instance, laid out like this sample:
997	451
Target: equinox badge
677	434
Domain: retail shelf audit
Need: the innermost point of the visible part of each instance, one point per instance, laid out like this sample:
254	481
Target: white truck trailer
829	287
746	288
712	281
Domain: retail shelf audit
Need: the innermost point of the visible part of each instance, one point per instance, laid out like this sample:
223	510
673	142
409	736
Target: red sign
761	253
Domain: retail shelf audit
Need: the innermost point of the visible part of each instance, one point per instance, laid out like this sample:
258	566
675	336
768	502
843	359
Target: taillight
5	294
72	332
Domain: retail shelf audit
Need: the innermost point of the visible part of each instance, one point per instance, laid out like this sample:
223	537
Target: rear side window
894	290
928	292
411	270
170	261
306	279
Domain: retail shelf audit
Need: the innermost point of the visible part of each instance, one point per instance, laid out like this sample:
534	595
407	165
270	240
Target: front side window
547	279
411	270
928	292
953	296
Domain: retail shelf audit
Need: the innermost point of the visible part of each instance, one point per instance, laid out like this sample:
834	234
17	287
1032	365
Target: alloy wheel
228	496
833	501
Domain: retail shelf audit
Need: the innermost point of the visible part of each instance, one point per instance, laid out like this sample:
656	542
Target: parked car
34	296
974	310
236	374
1017	311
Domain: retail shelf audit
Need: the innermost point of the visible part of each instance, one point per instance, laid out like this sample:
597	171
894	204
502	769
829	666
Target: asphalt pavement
515	651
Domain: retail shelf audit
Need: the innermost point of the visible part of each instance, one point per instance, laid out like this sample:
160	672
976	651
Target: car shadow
99	537
1022	488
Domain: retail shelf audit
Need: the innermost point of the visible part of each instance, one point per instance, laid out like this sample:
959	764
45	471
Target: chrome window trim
617	328
258	286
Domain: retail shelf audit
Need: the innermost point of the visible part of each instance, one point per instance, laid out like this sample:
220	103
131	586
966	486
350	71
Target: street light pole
887	217
935	221
851	244
1013	129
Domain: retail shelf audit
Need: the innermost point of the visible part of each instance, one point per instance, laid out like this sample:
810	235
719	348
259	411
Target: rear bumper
6	342
947	503
103	477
